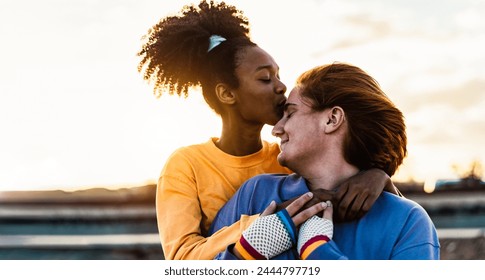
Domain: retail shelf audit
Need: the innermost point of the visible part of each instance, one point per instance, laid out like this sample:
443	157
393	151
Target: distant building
469	183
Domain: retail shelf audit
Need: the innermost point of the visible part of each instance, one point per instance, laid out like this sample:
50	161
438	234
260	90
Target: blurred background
98	224
83	139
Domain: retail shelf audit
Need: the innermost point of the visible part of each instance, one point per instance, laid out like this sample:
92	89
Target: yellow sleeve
179	217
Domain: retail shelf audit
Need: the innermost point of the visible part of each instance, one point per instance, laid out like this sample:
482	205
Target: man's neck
330	175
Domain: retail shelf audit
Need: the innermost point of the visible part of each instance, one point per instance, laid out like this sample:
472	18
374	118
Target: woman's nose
280	87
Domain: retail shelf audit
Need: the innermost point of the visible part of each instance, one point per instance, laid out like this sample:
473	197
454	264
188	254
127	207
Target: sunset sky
75	113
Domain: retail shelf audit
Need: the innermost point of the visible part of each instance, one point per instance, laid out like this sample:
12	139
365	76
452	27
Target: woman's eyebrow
266	66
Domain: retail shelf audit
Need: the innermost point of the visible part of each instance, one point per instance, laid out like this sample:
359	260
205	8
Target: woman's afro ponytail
174	54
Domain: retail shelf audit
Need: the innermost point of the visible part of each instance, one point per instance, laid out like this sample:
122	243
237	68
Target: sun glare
429	185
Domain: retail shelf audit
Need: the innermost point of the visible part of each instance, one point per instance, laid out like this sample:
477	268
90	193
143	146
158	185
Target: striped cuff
312	244
267	236
247	251
288	223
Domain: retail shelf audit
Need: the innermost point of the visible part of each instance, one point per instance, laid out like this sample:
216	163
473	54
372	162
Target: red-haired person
337	122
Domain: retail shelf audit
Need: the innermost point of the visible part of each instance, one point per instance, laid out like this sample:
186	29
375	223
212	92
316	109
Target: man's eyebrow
288	105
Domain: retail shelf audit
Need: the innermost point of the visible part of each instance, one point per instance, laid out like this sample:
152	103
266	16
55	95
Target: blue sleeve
411	237
418	239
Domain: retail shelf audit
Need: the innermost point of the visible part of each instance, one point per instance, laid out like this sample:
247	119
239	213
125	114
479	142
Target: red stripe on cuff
245	244
313	240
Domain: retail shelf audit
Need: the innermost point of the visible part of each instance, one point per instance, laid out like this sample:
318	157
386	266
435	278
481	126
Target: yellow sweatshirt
194	184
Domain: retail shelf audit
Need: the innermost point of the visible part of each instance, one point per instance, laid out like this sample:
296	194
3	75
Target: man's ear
224	94
334	119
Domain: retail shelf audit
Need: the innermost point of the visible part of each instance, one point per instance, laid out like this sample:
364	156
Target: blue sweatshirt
395	228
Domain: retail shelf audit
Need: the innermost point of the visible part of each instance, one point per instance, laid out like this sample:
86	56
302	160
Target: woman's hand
355	197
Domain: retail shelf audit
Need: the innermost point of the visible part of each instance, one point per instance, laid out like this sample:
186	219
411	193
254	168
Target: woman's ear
335	117
224	94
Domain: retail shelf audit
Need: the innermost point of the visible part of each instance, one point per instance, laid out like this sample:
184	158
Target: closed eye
290	109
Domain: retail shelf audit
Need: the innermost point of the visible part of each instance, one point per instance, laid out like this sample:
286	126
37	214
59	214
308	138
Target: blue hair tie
214	41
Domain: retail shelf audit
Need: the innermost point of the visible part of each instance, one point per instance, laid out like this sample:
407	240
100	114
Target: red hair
376	135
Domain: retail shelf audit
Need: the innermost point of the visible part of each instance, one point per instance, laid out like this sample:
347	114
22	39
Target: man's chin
282	161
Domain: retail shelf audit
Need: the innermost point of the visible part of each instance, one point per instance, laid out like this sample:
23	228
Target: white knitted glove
267	236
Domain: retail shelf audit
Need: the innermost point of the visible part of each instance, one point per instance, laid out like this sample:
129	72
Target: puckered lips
281	107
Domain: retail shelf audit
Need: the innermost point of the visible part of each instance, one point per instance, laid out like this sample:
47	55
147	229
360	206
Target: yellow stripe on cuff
311	248
243	251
